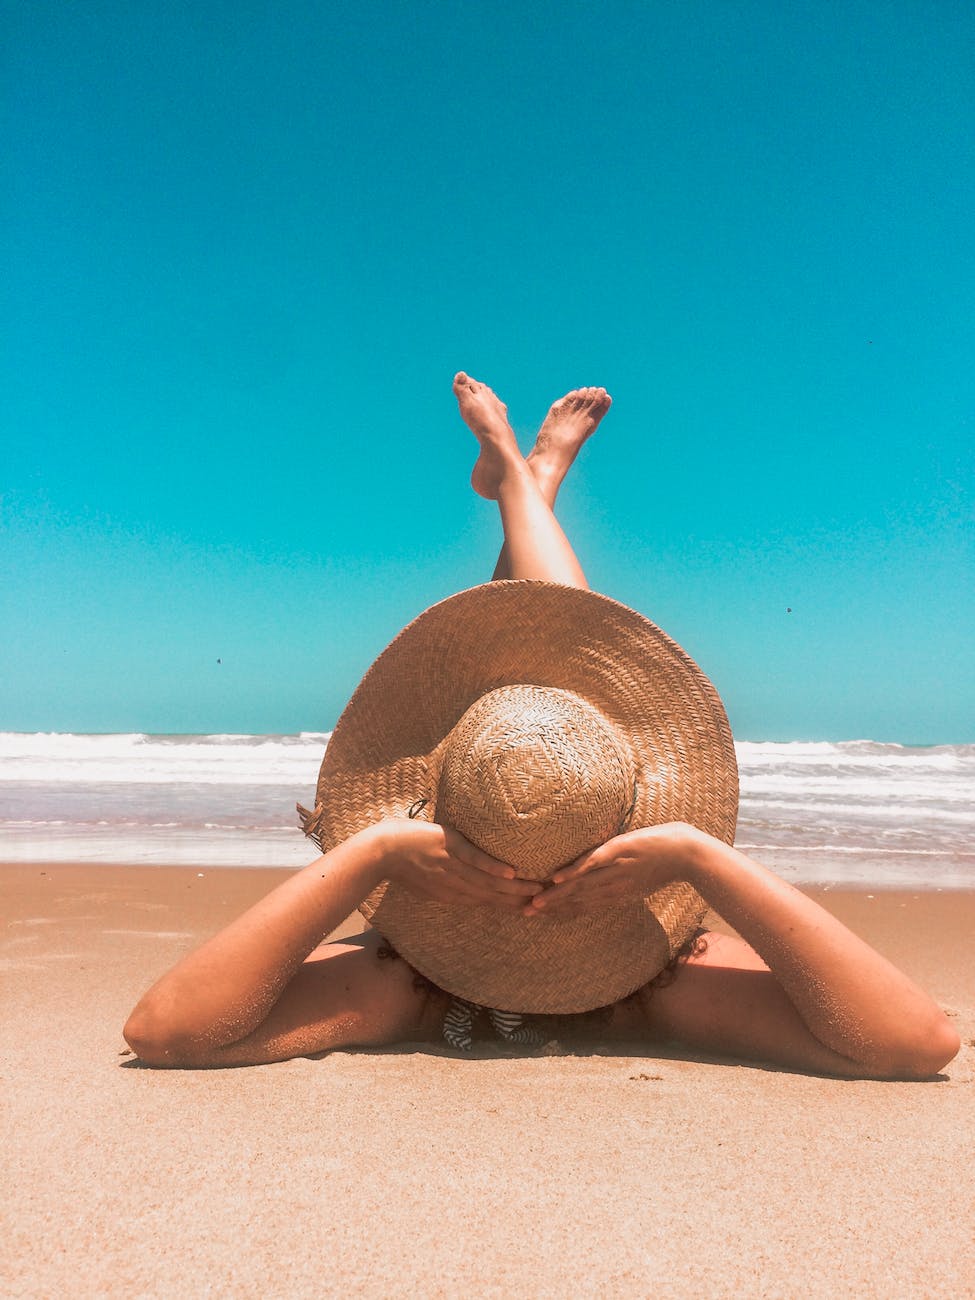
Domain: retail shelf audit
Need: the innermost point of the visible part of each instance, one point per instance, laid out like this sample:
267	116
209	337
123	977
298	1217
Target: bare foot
487	418
568	424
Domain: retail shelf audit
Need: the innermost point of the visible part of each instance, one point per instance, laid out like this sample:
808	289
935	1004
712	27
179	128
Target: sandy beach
413	1172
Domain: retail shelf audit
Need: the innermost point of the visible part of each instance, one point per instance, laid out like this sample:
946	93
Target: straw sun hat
539	721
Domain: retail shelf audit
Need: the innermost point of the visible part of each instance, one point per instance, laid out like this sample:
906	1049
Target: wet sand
412	1172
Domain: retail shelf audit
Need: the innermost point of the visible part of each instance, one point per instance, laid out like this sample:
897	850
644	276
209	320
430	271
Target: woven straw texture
627	731
537	776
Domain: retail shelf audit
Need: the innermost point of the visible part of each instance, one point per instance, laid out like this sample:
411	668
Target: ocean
856	813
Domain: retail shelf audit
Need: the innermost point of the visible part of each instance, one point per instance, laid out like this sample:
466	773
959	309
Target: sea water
851	812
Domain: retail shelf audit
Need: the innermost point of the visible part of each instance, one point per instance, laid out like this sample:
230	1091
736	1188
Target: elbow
157	1042
940	1046
925	1054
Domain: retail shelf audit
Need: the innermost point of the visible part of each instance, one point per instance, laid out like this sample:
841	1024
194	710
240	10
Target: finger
543	901
584	893
464	851
491	867
588	862
566	874
485	891
557	889
485	880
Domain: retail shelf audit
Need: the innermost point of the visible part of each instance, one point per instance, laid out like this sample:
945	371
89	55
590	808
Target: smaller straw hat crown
535	776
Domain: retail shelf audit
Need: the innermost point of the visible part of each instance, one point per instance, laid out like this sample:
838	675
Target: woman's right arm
220	993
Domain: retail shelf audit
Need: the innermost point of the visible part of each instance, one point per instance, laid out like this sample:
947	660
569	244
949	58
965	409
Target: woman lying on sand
582	725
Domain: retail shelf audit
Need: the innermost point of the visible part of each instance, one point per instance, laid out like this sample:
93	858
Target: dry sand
416	1173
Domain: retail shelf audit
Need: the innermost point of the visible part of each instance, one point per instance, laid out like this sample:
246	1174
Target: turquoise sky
245	246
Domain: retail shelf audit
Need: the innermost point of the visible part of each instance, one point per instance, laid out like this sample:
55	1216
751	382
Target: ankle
547	476
515	471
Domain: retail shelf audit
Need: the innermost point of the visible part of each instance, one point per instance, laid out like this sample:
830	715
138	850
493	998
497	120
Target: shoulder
725	952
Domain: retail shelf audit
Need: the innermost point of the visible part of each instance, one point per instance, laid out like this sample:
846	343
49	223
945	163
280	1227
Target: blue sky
246	246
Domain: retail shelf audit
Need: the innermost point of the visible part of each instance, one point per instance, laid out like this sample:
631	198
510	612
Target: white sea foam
857	811
160	760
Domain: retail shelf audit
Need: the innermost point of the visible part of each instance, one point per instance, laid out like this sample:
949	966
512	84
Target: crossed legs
341	995
525	489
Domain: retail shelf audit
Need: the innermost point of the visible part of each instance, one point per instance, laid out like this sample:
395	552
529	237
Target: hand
438	863
631	865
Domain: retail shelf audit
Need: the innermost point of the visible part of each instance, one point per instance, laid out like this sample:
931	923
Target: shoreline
961	881
507	1174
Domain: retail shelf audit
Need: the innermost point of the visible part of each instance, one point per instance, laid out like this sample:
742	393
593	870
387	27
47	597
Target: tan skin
797	990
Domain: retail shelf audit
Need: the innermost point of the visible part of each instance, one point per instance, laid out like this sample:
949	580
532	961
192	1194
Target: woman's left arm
870	1018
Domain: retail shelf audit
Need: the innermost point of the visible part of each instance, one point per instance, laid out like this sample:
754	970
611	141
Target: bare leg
536	545
570	421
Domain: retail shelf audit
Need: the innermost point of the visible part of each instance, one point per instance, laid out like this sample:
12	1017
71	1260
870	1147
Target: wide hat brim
383	757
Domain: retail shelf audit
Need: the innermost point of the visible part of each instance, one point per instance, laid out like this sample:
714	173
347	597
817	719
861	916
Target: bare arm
833	1002
220	994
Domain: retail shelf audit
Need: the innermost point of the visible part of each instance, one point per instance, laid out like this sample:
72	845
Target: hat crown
535	776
